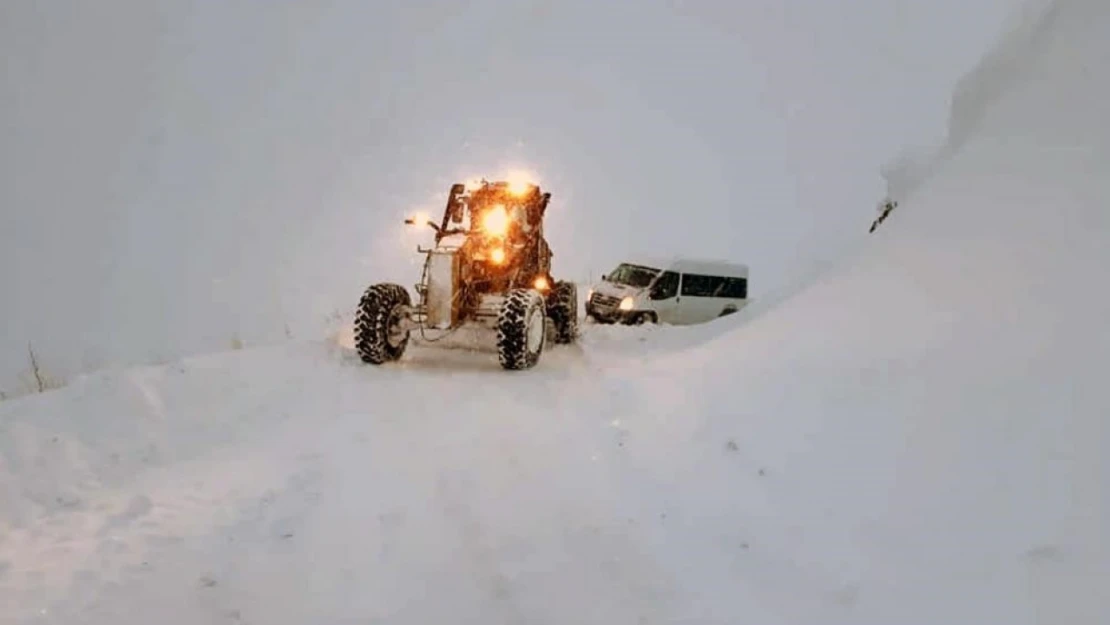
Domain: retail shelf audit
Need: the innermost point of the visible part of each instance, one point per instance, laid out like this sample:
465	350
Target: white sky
172	173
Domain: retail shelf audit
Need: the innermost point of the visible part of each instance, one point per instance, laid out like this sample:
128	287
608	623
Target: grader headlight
496	222
520	183
519	188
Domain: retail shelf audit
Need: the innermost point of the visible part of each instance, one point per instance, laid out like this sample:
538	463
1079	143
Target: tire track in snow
89	562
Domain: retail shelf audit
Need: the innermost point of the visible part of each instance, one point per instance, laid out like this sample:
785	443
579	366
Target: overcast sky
172	173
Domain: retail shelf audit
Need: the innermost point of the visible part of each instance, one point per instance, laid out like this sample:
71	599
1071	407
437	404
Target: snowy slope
916	437
933	411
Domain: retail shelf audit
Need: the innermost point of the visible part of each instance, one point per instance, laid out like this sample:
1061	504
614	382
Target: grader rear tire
563	310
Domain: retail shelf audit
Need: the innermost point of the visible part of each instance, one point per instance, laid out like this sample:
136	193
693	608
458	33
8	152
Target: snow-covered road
346	493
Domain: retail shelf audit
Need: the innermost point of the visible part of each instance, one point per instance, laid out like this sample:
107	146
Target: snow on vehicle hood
617	290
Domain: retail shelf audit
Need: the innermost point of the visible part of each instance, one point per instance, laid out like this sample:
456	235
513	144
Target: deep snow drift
917	437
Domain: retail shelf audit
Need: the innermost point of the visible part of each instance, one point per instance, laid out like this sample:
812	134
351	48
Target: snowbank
931	417
916	437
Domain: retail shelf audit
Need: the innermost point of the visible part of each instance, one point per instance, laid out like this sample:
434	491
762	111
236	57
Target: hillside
916	437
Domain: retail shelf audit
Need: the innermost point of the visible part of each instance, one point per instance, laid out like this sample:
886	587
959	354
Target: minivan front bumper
606	309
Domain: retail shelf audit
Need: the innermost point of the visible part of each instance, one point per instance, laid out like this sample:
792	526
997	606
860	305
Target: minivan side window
734	288
666	286
696	285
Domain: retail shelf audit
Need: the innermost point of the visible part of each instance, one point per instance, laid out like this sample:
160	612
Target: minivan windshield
632	275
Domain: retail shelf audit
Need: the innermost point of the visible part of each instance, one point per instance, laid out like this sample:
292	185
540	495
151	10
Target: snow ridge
1004	65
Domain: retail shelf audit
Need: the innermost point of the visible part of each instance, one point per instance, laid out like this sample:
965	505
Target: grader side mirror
411	221
454	205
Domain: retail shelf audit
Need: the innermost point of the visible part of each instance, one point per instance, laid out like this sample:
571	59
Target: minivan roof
683	264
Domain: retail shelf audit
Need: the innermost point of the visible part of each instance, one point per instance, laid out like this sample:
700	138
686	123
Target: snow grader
487	279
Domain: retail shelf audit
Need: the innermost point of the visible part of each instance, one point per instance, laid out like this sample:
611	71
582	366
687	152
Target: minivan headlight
626	303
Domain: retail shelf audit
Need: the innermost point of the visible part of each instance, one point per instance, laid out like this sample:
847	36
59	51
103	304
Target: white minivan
678	291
